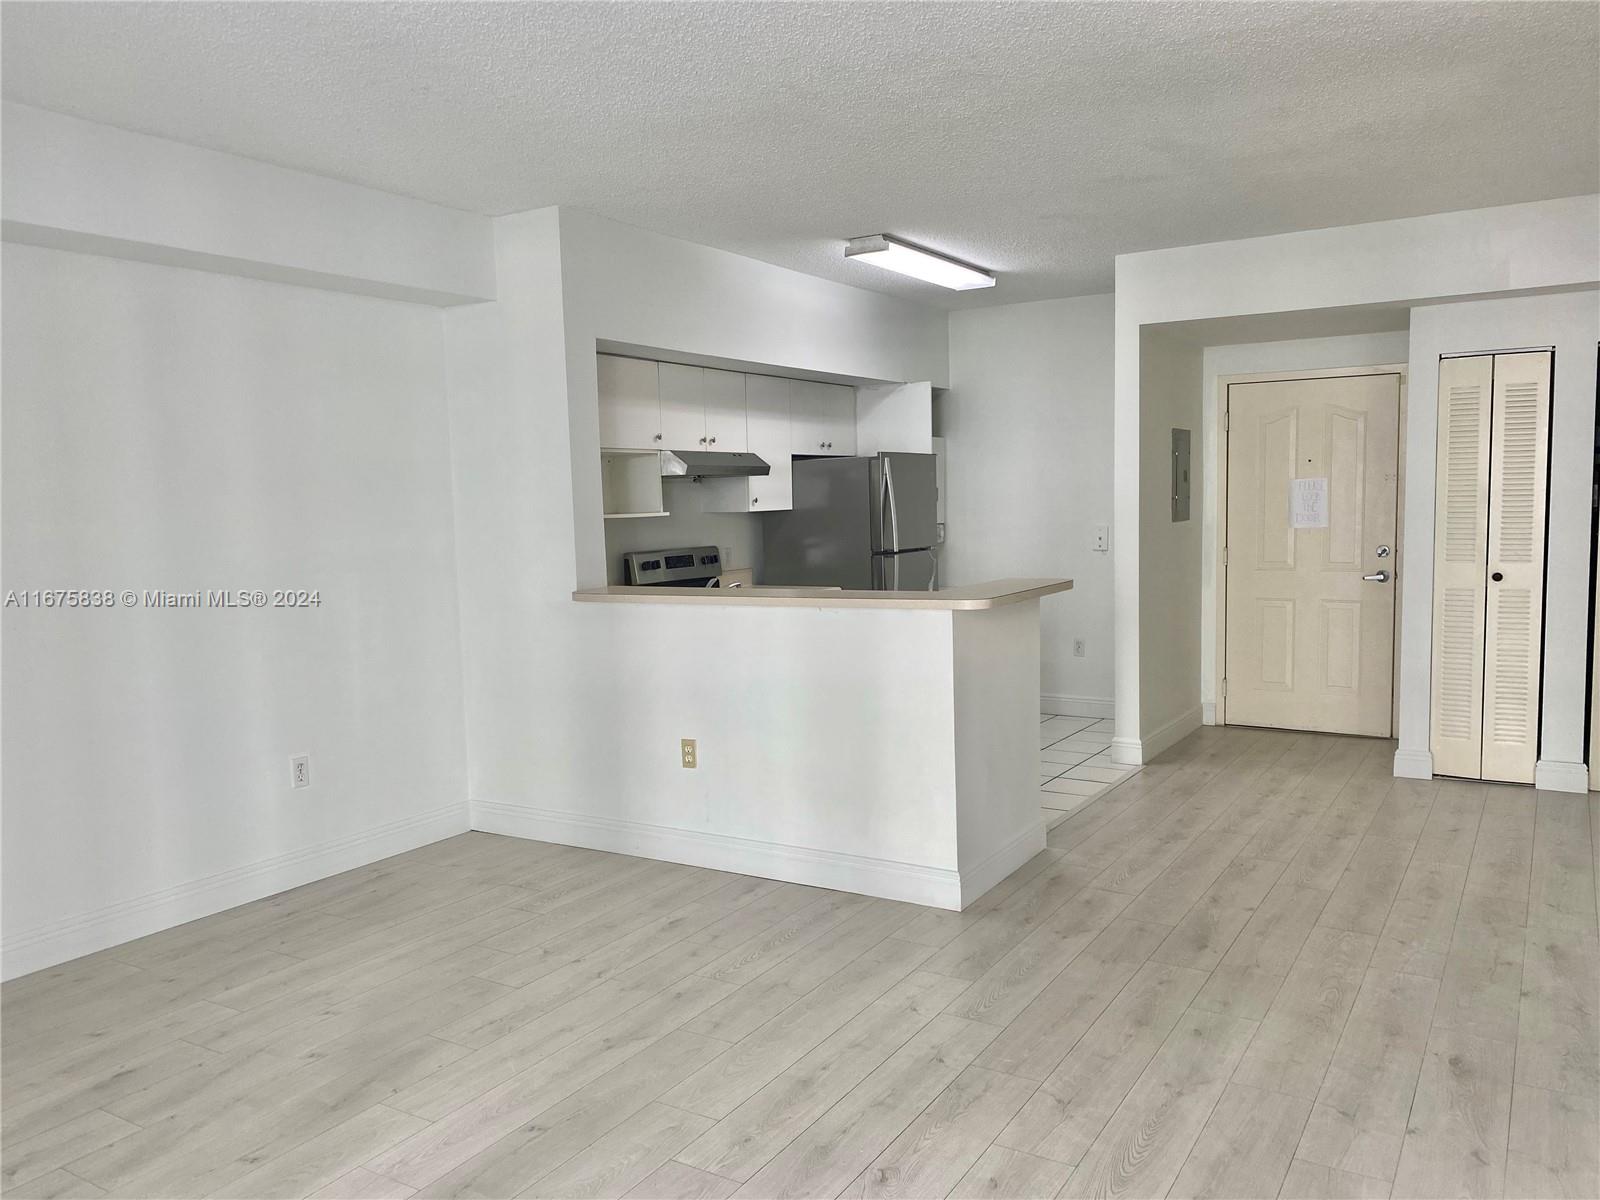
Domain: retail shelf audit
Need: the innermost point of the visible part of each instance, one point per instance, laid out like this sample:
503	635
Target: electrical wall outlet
1102	538
691	758
300	771
1077	647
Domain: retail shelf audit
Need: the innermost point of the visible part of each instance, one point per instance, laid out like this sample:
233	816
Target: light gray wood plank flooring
1259	967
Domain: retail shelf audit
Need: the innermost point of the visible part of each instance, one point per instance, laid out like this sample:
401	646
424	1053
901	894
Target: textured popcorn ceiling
1035	139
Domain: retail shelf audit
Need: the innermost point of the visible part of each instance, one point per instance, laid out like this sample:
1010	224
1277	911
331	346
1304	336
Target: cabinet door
630	408
823	418
839	418
1460	539
767	404
726	428
683	407
1514	614
808	418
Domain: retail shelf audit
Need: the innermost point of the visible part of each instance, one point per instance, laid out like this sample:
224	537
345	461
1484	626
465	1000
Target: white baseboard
1208	712
1076	706
1132	751
981	876
935	886
1553	775
114	924
1128	751
1413	764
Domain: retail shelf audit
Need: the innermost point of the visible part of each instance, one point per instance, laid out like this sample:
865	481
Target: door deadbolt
1383	552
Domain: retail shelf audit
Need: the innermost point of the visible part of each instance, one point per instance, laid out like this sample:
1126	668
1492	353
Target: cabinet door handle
658	437
713	441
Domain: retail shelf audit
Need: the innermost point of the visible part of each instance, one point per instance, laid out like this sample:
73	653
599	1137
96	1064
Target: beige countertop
994	594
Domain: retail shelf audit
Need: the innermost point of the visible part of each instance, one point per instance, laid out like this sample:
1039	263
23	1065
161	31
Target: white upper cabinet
683	407
823	416
702	409
630	404
769	410
647	405
726	427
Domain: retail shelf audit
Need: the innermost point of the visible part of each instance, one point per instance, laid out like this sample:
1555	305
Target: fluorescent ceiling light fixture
894	254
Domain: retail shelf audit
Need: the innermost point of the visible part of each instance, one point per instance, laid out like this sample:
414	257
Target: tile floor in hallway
1075	763
1259	967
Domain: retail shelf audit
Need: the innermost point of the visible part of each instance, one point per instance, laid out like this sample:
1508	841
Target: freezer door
908	571
905	501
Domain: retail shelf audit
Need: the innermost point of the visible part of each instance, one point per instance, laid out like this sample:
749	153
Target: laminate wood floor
1259	967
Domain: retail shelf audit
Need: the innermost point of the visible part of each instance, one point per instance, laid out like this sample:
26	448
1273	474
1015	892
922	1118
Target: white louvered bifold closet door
1460	572
1494	414
1514	621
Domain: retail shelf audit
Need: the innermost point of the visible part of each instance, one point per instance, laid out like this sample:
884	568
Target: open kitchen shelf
630	484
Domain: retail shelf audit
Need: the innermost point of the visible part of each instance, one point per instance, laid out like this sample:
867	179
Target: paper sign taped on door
1308	503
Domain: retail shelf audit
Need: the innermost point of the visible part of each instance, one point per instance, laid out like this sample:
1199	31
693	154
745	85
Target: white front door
1313	474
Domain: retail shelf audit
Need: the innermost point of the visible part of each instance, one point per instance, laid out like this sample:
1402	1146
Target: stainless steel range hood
705	464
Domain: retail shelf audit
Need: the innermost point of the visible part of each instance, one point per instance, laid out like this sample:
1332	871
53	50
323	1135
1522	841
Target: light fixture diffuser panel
905	258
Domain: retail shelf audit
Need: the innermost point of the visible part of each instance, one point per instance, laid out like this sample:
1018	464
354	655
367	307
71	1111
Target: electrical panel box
1180	475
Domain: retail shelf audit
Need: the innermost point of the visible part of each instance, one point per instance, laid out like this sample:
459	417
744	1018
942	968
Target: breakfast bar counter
967	598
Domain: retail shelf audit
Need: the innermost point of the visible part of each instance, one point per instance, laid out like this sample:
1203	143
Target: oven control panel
689	566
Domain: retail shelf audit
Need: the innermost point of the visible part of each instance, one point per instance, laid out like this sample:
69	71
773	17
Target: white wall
1571	323
176	429
78	185
1296	354
1027	422
1169	551
1484	252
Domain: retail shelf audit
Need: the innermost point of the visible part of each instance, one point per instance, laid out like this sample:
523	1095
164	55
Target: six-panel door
1311	502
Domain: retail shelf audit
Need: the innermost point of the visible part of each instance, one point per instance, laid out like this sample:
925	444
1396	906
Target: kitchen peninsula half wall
880	742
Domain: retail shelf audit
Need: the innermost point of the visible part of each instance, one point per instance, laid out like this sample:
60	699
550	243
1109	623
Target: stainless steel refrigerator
867	523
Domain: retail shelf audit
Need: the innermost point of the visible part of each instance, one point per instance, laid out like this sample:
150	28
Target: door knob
1379	577
1497	576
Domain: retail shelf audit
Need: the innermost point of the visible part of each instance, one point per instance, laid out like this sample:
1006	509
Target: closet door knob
1497	577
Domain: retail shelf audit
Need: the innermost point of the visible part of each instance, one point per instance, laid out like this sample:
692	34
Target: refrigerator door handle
889	505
